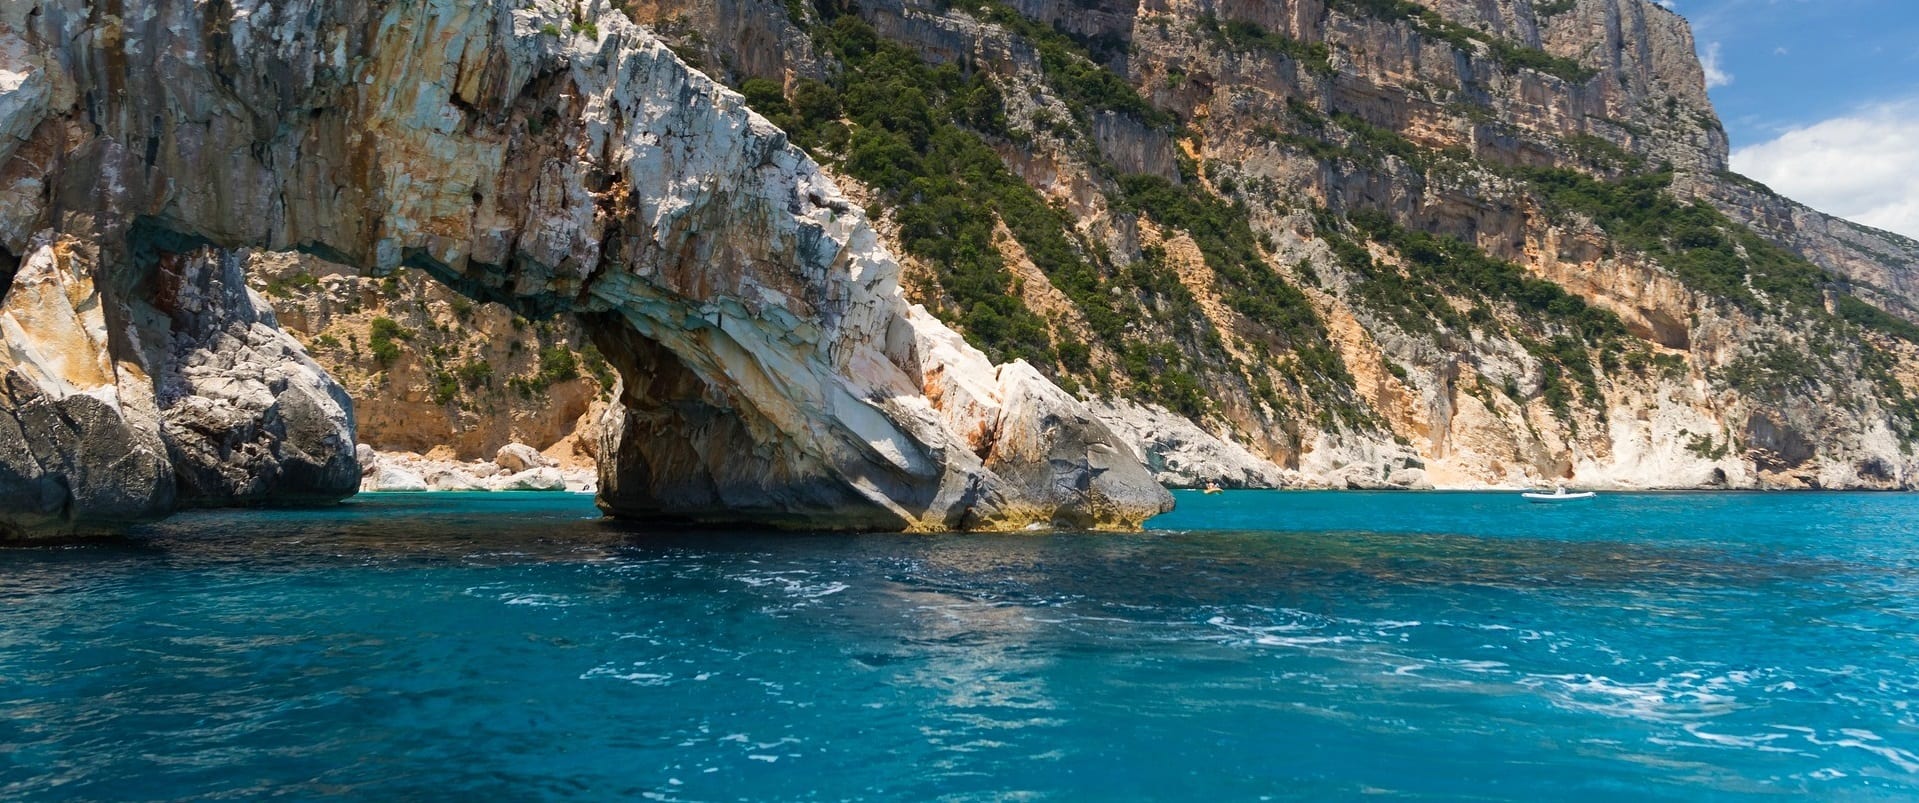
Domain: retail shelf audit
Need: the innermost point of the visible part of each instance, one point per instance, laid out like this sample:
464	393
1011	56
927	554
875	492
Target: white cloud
1716	76
1863	166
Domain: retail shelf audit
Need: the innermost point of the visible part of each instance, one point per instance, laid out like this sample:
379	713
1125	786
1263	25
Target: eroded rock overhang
773	372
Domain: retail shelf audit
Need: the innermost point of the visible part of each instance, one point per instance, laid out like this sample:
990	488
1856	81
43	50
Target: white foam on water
626	673
1682	697
1271	640
1756	741
795	583
536	600
1382	624
1870	742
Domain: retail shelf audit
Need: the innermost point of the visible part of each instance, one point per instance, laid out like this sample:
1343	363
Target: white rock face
1182	455
773	371
485	475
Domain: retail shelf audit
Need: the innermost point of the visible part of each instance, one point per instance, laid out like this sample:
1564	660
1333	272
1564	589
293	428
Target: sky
1820	99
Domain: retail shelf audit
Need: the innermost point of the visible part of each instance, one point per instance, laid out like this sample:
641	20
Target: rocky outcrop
112	413
1182	455
80	446
524	154
247	416
393	479
1879	265
521	457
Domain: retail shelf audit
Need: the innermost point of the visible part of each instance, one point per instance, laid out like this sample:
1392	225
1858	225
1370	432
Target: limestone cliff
552	157
1374	242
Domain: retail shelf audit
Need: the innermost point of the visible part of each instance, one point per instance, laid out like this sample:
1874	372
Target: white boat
1559	494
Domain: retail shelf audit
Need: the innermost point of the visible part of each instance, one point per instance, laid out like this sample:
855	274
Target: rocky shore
517	467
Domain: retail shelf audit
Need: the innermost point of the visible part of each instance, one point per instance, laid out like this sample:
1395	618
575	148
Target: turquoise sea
1251	645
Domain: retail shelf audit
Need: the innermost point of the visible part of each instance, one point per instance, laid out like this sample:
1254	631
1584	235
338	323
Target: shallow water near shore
1248	645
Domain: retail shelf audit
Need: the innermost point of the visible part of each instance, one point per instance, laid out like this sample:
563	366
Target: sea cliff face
555	159
1453	244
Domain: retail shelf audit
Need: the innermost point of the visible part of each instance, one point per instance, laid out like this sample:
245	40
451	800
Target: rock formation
1182	455
80	445
1372	242
114	413
247	416
553	158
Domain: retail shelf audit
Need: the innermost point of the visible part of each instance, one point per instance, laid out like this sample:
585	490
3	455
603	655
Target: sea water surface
1251	645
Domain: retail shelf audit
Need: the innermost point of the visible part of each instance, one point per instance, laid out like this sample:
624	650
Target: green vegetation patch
1569	337
1249	285
1081	82
1509	55
1242	36
905	140
384	339
290	285
1701	246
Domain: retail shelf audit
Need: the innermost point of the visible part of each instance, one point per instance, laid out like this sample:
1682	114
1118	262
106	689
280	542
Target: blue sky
1820	98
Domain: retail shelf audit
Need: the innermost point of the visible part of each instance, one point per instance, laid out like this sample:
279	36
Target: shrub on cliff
383	340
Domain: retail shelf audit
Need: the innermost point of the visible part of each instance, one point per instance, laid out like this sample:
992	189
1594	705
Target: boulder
453	480
482	469
393	479
517	457
544	478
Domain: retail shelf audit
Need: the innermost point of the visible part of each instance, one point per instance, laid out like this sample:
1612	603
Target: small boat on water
1559	494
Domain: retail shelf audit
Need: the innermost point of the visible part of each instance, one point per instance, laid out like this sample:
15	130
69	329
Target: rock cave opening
451	388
